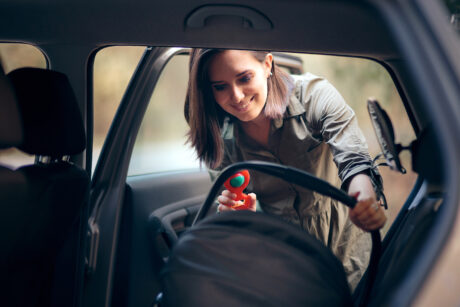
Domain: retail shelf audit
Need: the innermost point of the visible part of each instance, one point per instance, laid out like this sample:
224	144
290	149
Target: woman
241	106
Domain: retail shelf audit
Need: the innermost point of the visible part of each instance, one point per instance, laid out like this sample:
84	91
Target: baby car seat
247	258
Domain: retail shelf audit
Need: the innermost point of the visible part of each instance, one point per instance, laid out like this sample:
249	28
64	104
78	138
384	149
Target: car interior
80	230
38	221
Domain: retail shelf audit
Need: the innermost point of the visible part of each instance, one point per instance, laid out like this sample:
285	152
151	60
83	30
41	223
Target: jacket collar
294	108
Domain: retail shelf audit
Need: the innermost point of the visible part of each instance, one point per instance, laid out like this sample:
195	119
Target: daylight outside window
161	142
14	56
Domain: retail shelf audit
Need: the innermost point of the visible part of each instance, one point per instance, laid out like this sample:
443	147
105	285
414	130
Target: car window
161	142
112	70
13	56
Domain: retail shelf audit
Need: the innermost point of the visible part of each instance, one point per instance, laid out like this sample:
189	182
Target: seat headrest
52	121
10	119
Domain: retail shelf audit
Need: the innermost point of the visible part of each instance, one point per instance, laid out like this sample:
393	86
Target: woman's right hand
226	201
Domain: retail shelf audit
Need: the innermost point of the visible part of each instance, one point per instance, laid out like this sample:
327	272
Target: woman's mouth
244	106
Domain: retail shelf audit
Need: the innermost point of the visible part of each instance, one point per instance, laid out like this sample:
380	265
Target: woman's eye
245	79
219	87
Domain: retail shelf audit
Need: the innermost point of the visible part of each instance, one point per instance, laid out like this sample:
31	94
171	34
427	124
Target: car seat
253	259
56	188
12	184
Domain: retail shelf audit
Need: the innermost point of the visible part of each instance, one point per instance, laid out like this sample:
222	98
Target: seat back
56	188
12	184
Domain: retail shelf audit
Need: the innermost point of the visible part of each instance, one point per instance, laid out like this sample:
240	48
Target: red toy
236	184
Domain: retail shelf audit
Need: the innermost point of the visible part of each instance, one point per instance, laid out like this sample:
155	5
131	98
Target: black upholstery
56	190
51	127
10	122
12	184
252	259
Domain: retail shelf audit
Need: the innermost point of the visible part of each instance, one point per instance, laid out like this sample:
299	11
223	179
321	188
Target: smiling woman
160	142
130	83
239	83
242	83
307	124
160	153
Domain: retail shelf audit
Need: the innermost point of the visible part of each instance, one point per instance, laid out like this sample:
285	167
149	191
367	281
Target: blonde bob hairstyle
205	117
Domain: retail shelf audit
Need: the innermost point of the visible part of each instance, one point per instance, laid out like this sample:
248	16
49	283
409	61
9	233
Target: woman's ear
268	64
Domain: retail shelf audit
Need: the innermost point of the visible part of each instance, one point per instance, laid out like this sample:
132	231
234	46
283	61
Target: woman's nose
237	94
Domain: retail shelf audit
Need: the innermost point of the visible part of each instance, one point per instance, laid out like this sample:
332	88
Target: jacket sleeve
336	122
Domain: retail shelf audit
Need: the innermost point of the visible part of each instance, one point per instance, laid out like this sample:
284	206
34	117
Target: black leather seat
12	184
56	189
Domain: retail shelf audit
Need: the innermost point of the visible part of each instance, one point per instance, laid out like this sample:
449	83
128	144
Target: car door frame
108	186
429	45
109	179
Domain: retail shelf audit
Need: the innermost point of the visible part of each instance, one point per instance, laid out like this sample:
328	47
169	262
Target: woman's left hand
368	213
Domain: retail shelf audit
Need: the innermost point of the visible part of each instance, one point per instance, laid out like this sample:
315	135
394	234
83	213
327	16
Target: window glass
113	68
160	144
13	56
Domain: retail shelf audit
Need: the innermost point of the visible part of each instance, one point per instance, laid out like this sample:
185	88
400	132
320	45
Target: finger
374	212
253	199
374	225
375	222
361	208
224	200
379	218
367	217
222	208
228	194
370	219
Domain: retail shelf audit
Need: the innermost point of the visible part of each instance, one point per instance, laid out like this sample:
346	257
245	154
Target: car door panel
142	245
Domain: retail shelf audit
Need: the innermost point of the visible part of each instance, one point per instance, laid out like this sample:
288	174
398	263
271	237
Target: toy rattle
236	184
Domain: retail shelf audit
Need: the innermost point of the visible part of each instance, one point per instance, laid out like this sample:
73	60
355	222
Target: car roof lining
326	27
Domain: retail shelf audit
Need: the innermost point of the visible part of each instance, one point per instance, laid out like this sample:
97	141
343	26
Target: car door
148	184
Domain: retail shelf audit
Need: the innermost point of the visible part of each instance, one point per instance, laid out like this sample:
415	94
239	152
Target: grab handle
251	17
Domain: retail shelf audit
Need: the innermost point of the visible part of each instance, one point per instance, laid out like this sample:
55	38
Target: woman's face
239	82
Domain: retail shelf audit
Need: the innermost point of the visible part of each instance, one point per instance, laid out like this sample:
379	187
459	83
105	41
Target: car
103	239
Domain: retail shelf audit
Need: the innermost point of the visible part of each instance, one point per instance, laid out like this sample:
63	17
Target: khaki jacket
319	134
